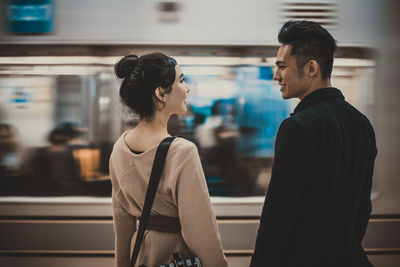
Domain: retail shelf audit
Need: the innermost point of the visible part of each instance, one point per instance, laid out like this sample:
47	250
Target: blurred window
58	122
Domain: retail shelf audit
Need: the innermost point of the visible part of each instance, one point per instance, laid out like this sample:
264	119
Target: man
318	203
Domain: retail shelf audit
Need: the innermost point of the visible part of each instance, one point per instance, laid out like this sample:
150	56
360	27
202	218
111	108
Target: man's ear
160	94
312	68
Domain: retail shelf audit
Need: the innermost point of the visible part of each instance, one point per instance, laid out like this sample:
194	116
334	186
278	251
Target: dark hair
309	41
58	136
4	127
141	76
70	129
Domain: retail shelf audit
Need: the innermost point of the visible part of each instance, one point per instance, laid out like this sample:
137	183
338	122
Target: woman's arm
198	222
124	226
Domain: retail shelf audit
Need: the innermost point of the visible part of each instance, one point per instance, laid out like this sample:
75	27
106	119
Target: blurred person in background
318	202
55	171
8	149
75	133
153	87
10	160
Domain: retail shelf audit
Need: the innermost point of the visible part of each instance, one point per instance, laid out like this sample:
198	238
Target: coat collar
317	95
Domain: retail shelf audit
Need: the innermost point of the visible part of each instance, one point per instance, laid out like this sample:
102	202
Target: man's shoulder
304	118
330	113
291	125
322	110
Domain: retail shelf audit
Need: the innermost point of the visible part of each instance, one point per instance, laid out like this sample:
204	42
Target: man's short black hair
309	41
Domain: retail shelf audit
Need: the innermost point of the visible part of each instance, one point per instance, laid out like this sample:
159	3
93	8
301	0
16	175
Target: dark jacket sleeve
364	211
285	193
365	207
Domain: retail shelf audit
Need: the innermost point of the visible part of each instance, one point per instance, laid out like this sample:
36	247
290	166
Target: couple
318	202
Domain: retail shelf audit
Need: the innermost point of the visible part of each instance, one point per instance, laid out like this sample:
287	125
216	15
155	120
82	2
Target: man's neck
315	85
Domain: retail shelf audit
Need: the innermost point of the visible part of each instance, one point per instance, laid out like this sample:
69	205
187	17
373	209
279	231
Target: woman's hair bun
125	66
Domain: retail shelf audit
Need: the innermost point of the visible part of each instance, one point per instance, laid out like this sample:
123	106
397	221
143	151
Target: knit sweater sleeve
198	222
124	225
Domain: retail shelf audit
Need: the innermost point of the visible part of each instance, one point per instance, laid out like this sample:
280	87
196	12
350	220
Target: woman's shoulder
120	141
182	145
119	145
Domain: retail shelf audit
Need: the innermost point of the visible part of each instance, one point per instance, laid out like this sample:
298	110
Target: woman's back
182	193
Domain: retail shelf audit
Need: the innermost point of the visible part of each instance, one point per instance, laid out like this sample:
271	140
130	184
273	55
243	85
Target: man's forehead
283	54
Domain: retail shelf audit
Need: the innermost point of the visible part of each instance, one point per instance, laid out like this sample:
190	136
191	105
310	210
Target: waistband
164	224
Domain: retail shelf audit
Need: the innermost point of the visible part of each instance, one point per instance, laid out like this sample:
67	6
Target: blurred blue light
29	16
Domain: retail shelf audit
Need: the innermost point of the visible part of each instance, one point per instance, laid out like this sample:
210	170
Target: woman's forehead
178	70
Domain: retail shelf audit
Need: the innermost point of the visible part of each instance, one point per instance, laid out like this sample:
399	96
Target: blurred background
60	113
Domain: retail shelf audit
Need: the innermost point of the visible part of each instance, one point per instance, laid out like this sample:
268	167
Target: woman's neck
156	126
148	133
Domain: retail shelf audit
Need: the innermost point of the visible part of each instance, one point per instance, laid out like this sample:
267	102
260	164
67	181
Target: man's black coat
318	203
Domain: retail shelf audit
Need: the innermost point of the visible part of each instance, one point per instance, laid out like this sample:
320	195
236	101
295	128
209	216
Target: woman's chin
182	111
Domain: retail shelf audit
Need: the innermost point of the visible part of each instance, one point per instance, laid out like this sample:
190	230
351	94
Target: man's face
290	77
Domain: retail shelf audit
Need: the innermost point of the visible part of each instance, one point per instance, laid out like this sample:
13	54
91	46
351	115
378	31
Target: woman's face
176	99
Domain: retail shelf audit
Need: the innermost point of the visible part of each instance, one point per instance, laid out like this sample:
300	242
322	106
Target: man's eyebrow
181	76
279	62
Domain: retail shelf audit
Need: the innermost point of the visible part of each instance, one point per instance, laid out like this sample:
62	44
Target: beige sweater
182	193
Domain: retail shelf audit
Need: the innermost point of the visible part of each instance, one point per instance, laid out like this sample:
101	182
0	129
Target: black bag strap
155	175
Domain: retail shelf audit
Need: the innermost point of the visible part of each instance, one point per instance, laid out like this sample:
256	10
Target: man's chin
285	96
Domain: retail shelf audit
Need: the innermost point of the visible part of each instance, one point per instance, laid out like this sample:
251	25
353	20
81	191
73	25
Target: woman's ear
160	94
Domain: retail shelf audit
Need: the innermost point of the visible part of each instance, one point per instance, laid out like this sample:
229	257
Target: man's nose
276	76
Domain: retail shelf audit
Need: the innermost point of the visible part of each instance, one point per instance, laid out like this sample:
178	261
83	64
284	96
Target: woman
153	88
